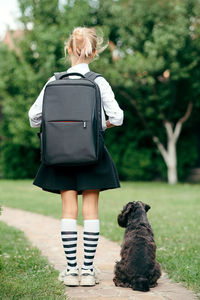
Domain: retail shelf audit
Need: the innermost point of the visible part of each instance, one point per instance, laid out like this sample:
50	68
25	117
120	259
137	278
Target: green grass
24	273
174	217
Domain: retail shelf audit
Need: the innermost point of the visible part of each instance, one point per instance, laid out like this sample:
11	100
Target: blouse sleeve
35	112
113	111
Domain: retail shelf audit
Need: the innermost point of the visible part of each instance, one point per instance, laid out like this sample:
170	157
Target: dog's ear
123	216
147	207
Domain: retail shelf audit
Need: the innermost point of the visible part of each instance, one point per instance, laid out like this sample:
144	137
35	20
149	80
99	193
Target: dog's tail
141	284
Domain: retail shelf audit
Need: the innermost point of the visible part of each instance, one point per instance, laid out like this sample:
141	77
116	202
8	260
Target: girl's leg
91	226
90	204
69	226
69	204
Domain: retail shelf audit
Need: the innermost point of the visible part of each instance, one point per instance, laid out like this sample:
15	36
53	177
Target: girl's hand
108	124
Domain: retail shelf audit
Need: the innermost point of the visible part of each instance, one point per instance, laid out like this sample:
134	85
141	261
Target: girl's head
84	45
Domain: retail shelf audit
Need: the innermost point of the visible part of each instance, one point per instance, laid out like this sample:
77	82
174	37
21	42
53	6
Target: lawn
24	273
174	217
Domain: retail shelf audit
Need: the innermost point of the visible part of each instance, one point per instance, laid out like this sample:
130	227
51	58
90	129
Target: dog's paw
117	282
153	285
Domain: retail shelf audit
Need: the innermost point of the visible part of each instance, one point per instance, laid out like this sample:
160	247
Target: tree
24	72
169	155
158	66
152	65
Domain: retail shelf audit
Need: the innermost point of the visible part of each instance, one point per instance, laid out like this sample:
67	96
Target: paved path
44	233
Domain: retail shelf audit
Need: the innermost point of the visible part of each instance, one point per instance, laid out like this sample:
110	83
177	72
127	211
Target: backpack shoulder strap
92	75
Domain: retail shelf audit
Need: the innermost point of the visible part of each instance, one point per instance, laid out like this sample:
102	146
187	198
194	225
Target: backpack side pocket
39	134
101	143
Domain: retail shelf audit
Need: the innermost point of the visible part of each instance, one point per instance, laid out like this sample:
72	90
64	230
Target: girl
82	46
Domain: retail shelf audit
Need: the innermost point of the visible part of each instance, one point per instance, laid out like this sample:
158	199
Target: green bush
136	163
19	162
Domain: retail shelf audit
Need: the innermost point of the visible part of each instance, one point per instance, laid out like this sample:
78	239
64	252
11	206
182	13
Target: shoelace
73	274
85	274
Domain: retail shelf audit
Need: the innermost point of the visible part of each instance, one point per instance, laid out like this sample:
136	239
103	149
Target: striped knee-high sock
69	240
90	238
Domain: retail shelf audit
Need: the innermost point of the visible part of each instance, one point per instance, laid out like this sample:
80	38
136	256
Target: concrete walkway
44	233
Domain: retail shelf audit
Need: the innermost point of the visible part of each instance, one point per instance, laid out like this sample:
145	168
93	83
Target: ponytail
83	42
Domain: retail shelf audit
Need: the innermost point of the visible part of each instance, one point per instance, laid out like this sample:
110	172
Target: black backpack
71	131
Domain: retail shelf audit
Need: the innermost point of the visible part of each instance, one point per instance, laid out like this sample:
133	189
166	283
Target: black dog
137	268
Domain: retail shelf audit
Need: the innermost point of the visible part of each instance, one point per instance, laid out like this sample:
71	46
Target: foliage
159	46
154	75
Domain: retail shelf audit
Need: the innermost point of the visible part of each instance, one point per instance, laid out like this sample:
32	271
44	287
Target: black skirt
102	176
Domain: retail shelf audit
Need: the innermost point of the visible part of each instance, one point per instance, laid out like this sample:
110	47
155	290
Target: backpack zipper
84	122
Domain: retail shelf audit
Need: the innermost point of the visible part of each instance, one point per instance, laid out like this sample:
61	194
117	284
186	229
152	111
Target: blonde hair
83	42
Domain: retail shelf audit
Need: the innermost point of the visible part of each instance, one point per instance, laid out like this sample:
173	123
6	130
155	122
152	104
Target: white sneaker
70	277
89	277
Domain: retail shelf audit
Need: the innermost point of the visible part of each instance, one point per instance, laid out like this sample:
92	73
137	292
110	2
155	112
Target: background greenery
151	37
174	217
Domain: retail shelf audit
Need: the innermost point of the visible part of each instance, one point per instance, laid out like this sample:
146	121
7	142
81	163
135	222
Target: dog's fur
137	268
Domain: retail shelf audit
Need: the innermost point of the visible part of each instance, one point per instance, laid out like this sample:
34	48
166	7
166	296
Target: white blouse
109	104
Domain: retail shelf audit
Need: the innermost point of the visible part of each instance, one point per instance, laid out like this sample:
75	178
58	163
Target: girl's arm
35	112
113	111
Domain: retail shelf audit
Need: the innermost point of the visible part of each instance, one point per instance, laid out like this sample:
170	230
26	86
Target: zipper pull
84	124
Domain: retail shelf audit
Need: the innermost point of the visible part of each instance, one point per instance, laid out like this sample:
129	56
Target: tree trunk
171	164
169	154
172	175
